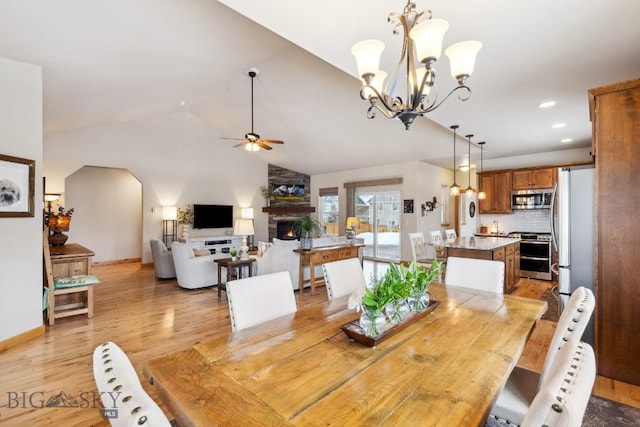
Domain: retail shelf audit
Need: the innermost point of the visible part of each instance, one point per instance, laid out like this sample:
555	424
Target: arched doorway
107	215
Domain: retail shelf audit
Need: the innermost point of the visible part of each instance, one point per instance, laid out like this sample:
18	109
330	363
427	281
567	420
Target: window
329	212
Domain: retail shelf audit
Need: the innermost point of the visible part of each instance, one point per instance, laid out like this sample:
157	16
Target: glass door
379	213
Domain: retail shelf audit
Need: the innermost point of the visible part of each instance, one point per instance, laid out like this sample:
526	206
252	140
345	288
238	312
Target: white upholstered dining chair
436	241
480	274
418	247
258	299
125	402
563	398
523	384
450	234
343	277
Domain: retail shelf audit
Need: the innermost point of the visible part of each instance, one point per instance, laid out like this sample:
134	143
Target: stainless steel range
535	255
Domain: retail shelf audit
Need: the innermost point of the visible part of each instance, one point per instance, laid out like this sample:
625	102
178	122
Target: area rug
550	296
600	412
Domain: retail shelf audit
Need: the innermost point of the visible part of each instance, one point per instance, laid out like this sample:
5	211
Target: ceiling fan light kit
252	141
421	48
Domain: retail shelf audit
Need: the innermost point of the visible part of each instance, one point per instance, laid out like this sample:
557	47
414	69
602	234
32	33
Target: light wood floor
147	318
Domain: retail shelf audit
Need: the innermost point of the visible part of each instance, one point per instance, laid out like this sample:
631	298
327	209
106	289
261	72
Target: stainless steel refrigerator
572	230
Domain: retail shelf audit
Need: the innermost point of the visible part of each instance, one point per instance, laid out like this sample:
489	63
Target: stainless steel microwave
531	199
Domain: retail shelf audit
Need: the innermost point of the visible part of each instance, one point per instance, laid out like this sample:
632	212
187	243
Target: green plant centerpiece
307	228
397	293
233	252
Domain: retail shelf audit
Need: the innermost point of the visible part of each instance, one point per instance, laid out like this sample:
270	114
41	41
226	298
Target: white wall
21	249
107	215
178	160
421	181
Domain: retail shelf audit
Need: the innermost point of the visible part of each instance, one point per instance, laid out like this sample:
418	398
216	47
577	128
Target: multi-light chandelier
415	71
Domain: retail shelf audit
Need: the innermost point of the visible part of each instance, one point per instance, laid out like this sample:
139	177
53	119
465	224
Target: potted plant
233	253
375	298
185	217
399	290
59	222
267	193
418	279
307	228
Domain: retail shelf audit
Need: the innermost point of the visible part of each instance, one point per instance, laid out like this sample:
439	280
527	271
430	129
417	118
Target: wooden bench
75	292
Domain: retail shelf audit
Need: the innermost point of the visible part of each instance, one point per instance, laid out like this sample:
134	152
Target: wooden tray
355	332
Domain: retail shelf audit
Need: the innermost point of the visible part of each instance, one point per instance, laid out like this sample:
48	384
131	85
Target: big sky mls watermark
84	400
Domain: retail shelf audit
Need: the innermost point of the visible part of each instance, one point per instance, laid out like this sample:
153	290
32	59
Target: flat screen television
212	216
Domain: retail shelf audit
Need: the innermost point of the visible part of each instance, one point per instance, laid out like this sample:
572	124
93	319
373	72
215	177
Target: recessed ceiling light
182	103
547	104
566	140
558	125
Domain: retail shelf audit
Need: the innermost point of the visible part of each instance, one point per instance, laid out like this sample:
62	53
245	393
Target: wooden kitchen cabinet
533	179
615	116
497	187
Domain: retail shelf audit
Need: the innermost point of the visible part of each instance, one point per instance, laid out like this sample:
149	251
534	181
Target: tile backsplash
534	220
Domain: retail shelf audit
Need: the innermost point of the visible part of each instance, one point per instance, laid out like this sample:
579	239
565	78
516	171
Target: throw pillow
293	244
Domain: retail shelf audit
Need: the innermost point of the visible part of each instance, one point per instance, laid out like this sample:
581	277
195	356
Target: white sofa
281	257
193	271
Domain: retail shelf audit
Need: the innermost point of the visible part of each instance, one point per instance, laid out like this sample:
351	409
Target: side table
231	265
321	255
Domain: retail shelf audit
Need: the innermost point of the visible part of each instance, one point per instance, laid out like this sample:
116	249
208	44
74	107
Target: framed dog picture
17	180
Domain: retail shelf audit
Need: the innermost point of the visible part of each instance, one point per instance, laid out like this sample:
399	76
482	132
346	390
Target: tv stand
216	244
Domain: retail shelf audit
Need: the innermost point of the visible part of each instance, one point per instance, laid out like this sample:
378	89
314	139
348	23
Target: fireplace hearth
286	230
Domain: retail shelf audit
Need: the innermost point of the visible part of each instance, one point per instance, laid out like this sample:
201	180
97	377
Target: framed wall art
408	206
17	180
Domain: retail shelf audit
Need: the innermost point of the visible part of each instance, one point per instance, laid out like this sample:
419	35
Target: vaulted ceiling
120	60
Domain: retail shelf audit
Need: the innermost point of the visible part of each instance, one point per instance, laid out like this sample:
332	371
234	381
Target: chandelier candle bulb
367	53
462	57
428	36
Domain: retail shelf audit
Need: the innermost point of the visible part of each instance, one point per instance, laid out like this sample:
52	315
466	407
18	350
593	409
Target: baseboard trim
118	261
21	338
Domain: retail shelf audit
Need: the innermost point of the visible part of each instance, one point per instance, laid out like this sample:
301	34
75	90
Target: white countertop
480	243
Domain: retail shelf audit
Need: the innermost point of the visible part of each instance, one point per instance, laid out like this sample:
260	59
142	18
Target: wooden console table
318	256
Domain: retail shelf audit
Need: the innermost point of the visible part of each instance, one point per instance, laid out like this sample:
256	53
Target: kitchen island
505	249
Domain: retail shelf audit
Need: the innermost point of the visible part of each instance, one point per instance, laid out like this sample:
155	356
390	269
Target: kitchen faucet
495	223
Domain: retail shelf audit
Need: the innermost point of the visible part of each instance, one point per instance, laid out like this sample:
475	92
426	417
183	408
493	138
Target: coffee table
231	265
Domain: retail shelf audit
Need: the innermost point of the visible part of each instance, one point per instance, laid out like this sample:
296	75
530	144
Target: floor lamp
169	224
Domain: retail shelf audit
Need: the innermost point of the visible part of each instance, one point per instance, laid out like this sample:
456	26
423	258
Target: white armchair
162	260
194	271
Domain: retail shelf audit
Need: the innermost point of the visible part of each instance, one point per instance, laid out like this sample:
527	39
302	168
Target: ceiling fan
251	140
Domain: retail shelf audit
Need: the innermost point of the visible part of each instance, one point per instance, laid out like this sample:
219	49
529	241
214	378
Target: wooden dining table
445	369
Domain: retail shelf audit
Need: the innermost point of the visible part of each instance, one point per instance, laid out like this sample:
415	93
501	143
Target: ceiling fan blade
239	145
272	141
263	145
235	139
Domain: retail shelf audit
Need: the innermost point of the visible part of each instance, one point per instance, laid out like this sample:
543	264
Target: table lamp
353	223
243	227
